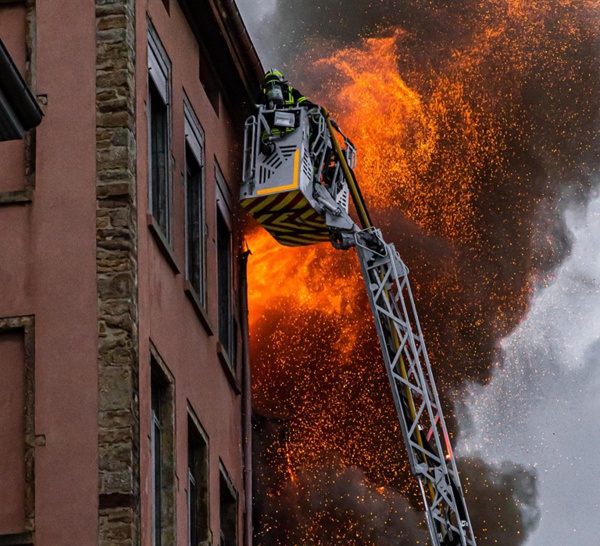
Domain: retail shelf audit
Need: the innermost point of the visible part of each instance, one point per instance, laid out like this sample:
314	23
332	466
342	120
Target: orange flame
399	134
437	145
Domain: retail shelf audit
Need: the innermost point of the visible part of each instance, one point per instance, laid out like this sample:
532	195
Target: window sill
228	368
198	308
17	196
161	241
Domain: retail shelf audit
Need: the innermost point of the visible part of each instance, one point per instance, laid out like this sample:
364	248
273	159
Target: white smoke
255	11
255	14
542	406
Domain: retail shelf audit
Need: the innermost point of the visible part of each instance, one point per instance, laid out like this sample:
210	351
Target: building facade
122	331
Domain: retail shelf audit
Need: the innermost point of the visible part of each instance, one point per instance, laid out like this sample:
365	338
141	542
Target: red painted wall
48	269
167	316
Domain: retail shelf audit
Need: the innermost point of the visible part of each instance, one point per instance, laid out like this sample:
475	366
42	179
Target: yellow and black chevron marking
289	218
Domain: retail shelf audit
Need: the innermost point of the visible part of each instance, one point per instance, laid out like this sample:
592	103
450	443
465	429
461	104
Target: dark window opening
198	514
166	3
159	164
228	508
194	224
161	445
157	479
226	321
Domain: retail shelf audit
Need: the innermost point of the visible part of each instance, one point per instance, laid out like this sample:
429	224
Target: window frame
225	479
224	211
198	436
194	144
24	326
156	458
159	79
163	462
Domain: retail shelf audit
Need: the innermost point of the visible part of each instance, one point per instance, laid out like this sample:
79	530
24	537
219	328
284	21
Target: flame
399	132
453	155
297	273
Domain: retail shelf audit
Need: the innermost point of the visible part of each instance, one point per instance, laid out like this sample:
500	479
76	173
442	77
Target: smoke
503	500
476	125
293	28
499	132
541	408
329	503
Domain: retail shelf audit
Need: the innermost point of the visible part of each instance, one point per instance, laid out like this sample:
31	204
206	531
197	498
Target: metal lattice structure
315	206
413	390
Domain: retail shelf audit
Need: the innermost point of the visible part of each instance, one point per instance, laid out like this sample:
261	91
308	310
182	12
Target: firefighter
277	93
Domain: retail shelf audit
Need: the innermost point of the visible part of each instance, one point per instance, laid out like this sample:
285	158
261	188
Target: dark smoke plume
502	501
332	503
534	94
327	504
524	78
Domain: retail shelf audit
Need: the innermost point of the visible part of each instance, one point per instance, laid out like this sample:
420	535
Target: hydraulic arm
298	181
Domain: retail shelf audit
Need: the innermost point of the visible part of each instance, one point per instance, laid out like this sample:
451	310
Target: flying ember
465	148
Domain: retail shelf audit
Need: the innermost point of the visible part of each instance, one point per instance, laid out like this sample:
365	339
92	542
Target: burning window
159	134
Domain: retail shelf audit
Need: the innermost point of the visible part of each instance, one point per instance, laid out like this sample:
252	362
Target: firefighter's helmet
273	75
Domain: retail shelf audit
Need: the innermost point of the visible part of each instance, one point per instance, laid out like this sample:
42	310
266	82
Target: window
195	232
161	446
224	281
159	134
156	443
17	455
228	510
198	515
227	326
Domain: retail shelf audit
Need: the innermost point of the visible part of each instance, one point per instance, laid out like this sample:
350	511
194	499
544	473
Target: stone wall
116	260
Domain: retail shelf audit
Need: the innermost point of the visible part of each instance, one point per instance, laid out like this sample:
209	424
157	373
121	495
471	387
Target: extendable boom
413	390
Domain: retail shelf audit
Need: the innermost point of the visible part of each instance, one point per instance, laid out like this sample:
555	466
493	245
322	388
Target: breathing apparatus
273	88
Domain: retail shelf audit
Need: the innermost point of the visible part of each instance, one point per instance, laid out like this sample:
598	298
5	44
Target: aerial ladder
297	183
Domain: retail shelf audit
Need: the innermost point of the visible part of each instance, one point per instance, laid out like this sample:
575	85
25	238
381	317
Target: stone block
110	21
115	286
119	481
115	388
